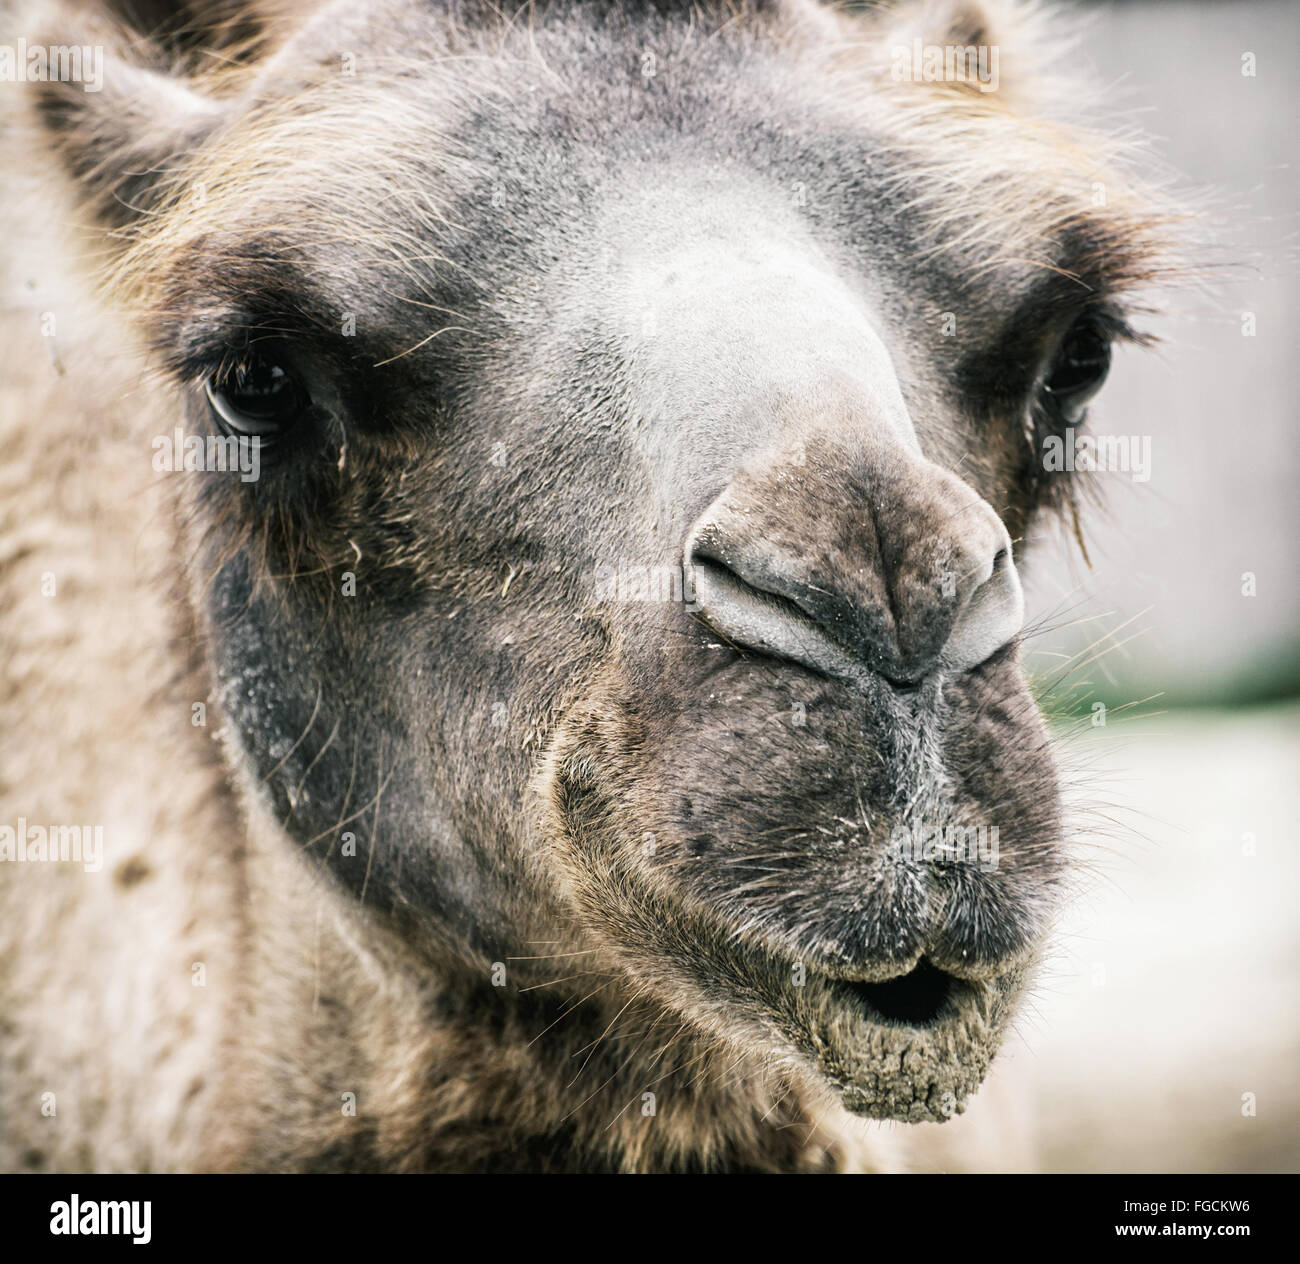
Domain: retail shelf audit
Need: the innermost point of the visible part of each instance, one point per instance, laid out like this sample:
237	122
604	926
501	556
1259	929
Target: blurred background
1166	1033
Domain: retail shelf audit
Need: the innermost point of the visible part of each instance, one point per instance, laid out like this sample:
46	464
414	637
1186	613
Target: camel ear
123	139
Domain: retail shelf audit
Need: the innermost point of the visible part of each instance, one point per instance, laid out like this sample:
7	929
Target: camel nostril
915	999
861	595
756	618
993	616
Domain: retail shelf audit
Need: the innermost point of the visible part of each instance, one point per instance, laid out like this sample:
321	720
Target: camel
428	843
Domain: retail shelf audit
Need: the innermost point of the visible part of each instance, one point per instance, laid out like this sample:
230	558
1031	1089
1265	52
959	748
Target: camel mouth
920	998
907	1040
914	1048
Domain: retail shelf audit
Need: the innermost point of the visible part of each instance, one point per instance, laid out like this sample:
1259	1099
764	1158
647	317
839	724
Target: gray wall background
1164	1032
1168	554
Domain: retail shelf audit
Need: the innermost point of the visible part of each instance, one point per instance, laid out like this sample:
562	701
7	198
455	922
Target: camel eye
1080	369
257	398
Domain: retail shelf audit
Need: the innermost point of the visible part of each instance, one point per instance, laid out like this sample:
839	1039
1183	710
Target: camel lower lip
913	1048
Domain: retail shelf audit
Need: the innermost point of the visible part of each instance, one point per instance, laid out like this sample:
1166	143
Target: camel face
649	420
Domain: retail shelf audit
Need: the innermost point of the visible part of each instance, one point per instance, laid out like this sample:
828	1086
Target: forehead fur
350	145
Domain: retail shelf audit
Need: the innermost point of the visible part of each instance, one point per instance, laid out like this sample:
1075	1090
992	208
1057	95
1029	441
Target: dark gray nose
890	565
